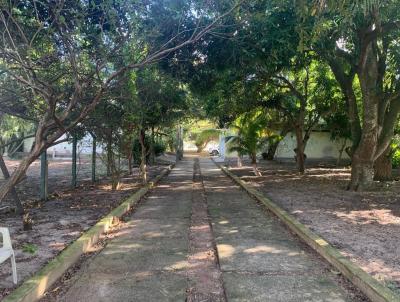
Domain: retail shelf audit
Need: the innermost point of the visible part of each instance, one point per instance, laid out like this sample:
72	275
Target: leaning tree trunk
37	148
19	173
18	204
383	166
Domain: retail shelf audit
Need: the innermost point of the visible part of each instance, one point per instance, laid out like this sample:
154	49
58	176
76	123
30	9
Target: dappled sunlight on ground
64	217
365	226
225	250
228	251
380	216
264	249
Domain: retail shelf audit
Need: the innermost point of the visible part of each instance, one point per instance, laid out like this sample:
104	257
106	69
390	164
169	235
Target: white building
64	149
319	146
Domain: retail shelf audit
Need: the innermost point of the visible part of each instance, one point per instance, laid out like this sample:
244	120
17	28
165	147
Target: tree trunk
37	148
6	174
239	161
300	156
362	173
152	150
274	145
383	166
130	157
44	176
362	163
74	171
115	173
143	168
253	157
20	171
272	150
341	150
109	154
94	159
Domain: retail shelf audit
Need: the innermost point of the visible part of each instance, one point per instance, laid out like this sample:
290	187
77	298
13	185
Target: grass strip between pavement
34	288
361	279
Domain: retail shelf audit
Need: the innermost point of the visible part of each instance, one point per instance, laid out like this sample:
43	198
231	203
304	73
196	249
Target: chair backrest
6	238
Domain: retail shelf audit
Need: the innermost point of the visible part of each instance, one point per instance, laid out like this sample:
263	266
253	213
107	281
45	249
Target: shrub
204	137
29	248
396	159
159	148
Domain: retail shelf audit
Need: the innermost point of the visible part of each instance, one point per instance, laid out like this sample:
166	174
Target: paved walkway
168	250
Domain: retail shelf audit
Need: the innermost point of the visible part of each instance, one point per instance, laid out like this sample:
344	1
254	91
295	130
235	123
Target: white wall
28	144
65	148
319	145
190	146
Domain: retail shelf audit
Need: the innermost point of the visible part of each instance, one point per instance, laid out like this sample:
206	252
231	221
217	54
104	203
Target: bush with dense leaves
159	148
396	159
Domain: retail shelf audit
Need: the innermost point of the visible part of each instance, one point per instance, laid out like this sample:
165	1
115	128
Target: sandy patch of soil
63	218
364	226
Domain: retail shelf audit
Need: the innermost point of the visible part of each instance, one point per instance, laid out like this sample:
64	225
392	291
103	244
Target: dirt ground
364	226
63	218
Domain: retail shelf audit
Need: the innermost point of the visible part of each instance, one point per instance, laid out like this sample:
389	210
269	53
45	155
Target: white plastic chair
6	251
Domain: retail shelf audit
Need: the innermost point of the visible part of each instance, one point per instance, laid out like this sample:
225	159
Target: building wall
320	145
190	146
28	144
65	149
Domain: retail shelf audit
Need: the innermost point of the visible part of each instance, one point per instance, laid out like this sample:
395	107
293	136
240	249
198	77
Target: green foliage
29	248
11	126
338	124
396	152
251	134
204	137
158	99
159	149
396	159
12	131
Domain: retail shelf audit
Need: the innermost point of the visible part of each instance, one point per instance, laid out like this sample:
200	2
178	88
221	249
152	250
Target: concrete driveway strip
259	258
199	237
149	259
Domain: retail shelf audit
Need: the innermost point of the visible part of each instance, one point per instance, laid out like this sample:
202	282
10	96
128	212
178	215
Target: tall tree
360	42
305	93
62	57
157	100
